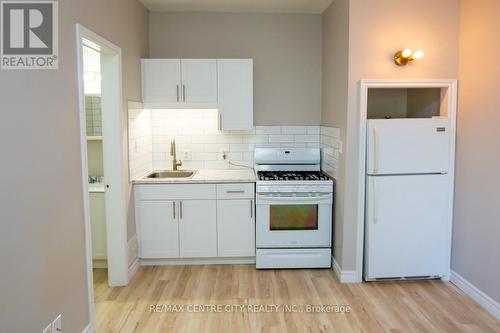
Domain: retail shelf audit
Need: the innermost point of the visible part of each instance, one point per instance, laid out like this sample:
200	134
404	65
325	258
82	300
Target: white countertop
206	176
96	188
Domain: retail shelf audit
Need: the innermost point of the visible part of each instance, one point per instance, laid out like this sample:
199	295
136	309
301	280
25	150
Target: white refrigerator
408	208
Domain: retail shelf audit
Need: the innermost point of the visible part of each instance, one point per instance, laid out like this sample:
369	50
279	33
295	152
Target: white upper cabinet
174	83
161	80
223	84
199	80
235	90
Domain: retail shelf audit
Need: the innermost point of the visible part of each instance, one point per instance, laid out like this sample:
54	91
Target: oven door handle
267	198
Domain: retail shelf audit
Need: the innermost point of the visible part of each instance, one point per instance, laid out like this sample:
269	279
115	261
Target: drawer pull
235	192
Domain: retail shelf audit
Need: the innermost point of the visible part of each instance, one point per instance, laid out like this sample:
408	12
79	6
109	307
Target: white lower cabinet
98	222
158	229
236	228
195	220
197	228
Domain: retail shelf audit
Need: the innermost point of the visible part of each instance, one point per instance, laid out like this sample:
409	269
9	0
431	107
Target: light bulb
406	53
418	55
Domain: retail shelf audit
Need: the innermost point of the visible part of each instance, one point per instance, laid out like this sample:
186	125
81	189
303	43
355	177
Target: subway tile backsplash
201	145
140	140
330	150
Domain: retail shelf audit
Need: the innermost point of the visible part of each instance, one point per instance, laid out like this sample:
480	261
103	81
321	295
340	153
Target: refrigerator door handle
376	149
374	200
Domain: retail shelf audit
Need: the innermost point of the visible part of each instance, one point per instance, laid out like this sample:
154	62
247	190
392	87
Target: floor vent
408	278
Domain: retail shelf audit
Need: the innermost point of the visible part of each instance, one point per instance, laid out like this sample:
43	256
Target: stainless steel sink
172	174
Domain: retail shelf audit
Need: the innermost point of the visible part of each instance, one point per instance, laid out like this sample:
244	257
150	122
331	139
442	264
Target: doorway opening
102	157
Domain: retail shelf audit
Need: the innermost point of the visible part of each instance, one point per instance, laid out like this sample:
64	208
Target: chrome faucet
173	152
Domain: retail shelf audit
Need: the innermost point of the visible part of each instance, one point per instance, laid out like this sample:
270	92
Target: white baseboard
89	329
198	261
99	263
132	269
133	259
488	303
344	276
132	250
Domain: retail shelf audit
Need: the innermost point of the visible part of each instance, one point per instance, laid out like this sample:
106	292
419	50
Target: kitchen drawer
175	191
235	191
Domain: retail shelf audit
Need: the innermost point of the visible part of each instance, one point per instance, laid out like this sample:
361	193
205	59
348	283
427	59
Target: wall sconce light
403	57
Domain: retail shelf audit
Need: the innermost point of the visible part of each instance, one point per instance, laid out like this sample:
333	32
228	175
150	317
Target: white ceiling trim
240	6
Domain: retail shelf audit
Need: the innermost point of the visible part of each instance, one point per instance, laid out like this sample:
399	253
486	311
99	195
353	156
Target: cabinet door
161	80
235	90
98	222
158	229
235	228
197	228
199	80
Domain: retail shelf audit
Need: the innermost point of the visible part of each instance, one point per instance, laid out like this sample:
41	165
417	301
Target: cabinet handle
184	92
180	208
220	121
173	205
234	192
177	87
251	209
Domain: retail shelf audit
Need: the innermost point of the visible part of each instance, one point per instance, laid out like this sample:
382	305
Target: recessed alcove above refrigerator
411	103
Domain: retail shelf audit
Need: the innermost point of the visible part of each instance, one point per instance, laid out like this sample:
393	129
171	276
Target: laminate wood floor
417	306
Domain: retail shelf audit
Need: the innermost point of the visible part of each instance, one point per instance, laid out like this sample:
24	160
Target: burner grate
292	175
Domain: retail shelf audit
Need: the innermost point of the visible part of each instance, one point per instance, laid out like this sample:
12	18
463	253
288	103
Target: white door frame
114	169
448	103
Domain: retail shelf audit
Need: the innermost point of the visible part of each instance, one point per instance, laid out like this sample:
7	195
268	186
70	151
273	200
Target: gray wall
335	28
476	237
286	49
42	238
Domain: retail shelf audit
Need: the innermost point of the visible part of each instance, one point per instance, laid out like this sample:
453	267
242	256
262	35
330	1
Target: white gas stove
294	209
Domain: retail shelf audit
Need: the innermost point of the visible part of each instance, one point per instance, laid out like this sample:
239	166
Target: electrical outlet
57	324
47	329
188	155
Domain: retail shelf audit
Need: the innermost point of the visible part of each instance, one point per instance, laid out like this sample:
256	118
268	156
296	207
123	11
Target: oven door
293	220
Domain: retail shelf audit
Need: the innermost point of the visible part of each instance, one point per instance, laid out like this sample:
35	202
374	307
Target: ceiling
256	6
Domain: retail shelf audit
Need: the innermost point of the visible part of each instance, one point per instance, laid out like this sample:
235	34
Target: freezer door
407	146
407	225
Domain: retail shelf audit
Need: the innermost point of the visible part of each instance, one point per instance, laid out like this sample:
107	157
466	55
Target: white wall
335	78
476	236
286	49
377	29
42	248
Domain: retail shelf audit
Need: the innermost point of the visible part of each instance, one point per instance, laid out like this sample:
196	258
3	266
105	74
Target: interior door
198	228
158	229
407	226
408	146
161	80
199	80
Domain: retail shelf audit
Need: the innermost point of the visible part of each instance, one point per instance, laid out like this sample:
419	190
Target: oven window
293	217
